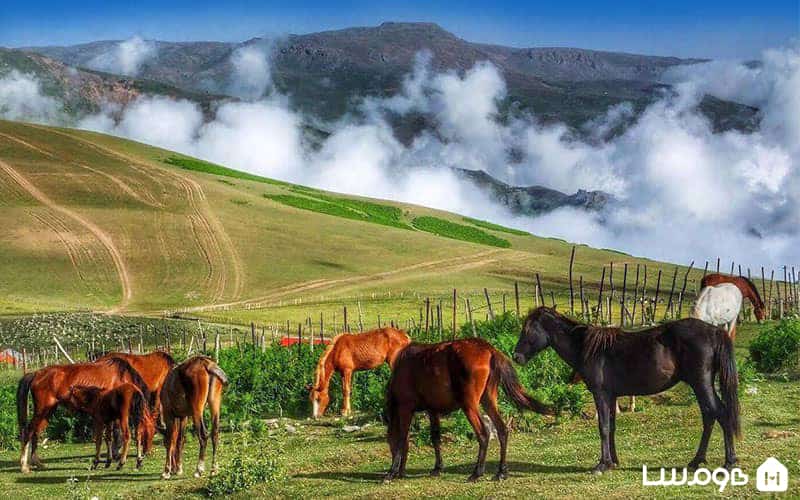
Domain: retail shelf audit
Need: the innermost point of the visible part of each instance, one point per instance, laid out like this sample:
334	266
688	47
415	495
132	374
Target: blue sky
709	28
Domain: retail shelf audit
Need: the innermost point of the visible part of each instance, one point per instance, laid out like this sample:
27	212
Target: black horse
615	364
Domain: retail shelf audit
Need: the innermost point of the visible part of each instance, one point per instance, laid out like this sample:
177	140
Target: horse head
534	337
319	401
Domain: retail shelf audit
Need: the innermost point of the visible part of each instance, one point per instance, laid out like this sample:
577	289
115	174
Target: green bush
196	165
249	468
8	417
447	229
495	227
365	211
777	347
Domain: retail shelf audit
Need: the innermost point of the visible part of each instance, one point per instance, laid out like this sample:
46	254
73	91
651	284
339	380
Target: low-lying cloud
21	98
683	191
126	57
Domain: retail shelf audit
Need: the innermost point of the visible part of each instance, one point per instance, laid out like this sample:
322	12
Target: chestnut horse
745	285
187	389
650	361
152	367
123	406
50	387
441	378
348	353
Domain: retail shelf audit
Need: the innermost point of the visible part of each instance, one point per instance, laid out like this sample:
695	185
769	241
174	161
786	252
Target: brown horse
123	406
616	364
441	378
745	285
348	353
50	387
152	367
188	388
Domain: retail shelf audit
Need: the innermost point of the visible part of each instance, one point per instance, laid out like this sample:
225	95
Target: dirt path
449	265
102	236
212	240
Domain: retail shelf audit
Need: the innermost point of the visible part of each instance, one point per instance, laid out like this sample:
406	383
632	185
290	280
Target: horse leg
633	405
170	437
474	418
732	331
139	449
398	440
98	431
214	402
710	409
612	439
490	405
347	383
125	435
604	408
35	427
181	443
202	437
436	441
109	437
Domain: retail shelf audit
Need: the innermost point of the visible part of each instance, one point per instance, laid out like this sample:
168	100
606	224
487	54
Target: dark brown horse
152	367
50	387
650	361
348	353
189	387
745	285
441	378
122	407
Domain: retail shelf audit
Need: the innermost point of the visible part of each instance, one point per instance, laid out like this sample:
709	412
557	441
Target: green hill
100	223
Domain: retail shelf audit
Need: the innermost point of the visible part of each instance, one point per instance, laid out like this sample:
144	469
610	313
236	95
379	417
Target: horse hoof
695	464
473	478
197	473
500	476
165	475
25	470
729	465
119	466
388	478
599	469
436	472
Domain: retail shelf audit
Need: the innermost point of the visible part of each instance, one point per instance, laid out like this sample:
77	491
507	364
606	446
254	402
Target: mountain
535	200
326	72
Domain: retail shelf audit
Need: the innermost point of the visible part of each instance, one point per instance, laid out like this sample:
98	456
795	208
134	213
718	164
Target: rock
351	428
290	429
272	423
751	390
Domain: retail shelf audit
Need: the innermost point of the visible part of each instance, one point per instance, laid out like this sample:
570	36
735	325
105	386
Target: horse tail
729	383
503	372
137	410
215	371
23	388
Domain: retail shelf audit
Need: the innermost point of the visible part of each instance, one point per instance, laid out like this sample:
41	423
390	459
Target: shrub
8	417
249	467
777	347
447	229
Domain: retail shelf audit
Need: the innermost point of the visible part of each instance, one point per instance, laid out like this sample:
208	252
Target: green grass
553	460
495	227
347	208
196	165
461	232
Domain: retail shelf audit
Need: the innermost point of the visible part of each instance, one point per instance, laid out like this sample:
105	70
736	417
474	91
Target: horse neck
565	341
396	343
327	368
750	293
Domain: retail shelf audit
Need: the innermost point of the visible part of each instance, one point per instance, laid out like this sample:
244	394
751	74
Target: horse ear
309	387
579	329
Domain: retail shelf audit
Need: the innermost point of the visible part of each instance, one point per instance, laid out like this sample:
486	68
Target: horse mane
123	367
597	340
138	409
322	359
716	278
754	288
166	357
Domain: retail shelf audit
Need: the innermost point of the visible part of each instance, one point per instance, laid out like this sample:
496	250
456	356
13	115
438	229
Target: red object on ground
290	341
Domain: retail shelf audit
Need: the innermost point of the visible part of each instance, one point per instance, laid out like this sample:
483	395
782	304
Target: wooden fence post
655	298
516	296
541	291
427	315
455	311
600	295
622	308
635	296
683	290
488	304
571	292
671	292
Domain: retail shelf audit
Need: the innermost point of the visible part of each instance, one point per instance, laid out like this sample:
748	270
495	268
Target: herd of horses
120	391
151	392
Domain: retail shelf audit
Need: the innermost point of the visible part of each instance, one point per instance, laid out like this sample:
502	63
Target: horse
745	285
719	305
440	378
125	406
152	367
647	362
348	353
188	388
50	387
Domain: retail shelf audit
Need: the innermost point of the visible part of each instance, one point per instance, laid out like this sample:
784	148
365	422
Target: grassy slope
552	461
190	239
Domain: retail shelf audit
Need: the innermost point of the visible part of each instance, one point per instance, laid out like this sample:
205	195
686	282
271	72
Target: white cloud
251	76
21	98
126	57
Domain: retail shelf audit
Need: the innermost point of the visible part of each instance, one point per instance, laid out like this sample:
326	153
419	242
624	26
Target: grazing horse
50	387
189	387
650	361
348	353
123	406
153	369
441	378
719	305
745	285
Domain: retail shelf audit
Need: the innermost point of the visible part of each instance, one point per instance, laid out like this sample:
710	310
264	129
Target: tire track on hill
449	265
212	239
102	236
